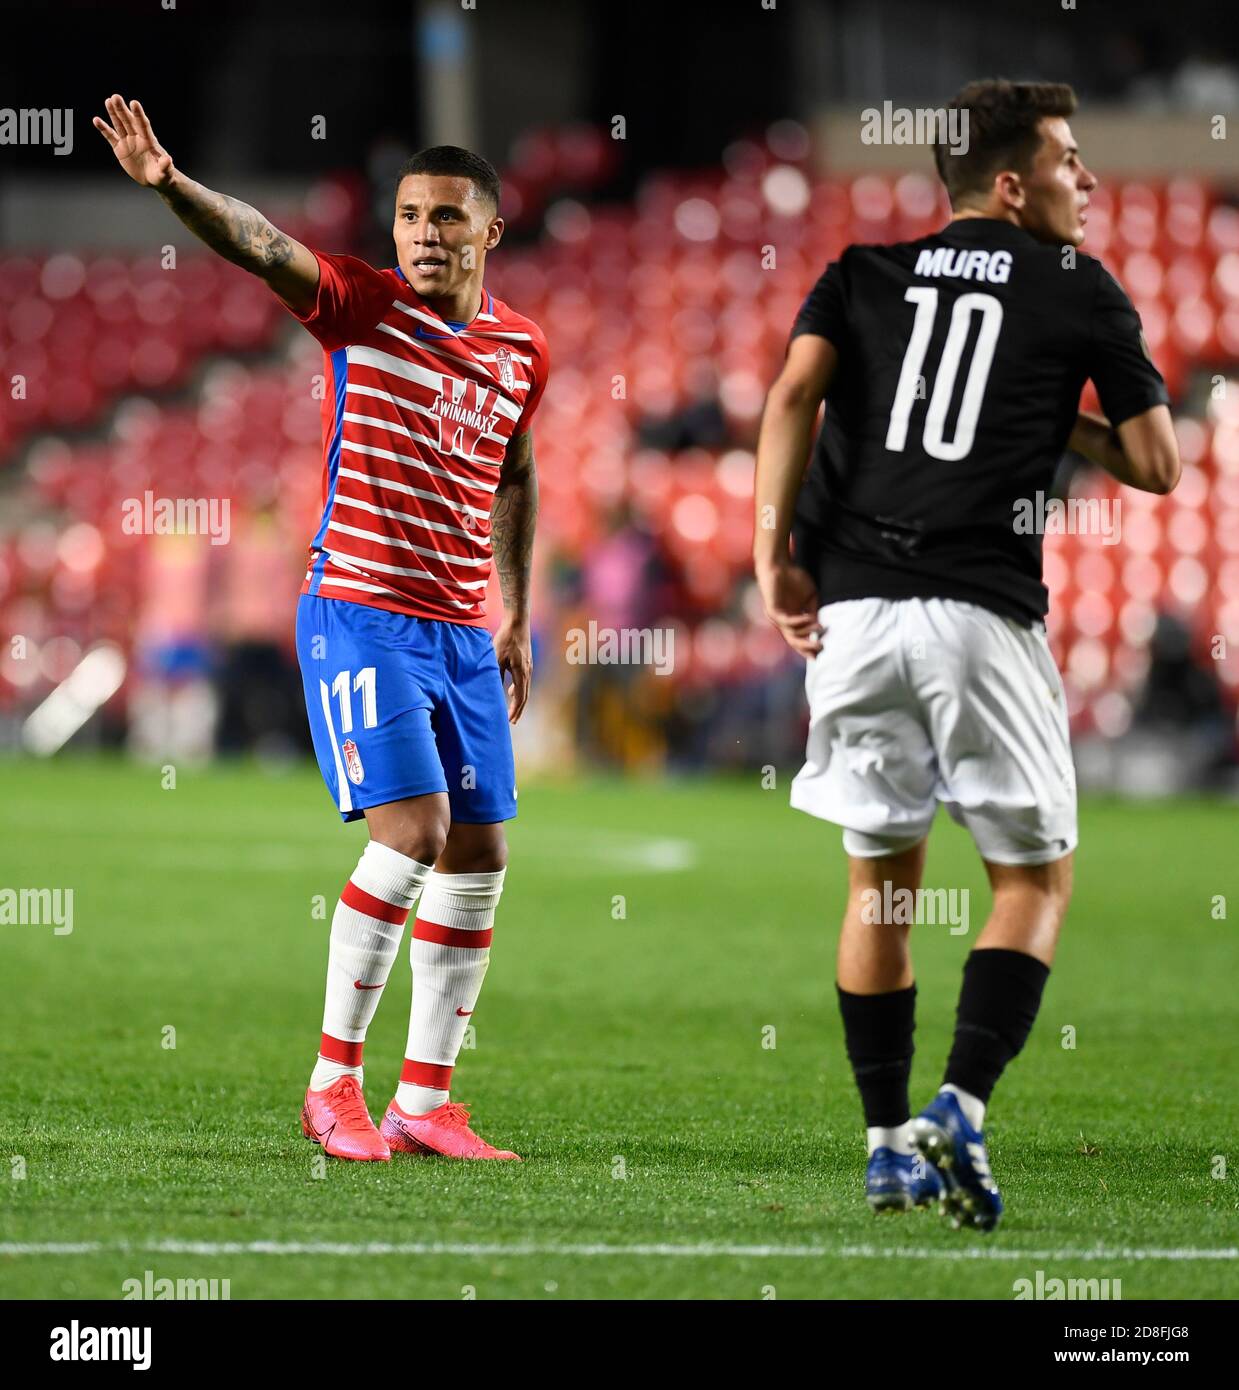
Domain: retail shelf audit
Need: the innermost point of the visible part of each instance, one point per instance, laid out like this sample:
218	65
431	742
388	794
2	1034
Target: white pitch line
986	1252
84	1247
700	1251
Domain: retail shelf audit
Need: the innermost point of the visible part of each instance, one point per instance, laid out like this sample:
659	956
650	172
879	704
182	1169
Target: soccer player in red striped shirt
428	474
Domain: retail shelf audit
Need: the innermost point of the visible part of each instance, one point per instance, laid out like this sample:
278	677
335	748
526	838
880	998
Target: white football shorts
915	701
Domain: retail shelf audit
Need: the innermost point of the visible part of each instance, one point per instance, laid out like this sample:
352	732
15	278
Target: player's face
1056	192
443	230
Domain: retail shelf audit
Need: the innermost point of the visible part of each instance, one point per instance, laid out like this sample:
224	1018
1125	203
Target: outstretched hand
133	143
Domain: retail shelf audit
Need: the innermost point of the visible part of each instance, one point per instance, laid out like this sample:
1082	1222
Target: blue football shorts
403	706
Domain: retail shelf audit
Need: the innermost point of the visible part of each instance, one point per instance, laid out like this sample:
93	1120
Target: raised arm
235	230
789	592
513	518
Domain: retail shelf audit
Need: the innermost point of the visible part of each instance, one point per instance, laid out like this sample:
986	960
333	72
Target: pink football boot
337	1119
443	1131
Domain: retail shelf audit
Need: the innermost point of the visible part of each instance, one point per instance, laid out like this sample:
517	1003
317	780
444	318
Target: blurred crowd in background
667	299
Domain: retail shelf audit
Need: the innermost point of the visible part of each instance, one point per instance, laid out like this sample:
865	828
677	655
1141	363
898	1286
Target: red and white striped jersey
417	416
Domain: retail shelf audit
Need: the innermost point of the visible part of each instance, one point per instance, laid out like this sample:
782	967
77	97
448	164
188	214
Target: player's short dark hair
454	162
1002	132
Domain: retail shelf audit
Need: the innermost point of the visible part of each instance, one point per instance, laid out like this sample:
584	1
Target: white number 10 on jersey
926	301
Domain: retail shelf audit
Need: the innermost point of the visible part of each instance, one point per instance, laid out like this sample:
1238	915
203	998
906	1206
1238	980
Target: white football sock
974	1109
365	936
449	953
899	1138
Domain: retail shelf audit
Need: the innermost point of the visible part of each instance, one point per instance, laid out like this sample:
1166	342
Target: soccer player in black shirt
904	571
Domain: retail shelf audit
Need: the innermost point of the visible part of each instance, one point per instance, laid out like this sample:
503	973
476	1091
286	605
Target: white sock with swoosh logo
365	937
449	953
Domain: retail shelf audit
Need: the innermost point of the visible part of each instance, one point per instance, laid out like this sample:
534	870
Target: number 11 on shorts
343	687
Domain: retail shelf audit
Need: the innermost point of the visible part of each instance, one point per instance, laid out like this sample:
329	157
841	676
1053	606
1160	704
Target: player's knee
492	861
421	842
1054	882
1044	889
1062	884
487	855
901	865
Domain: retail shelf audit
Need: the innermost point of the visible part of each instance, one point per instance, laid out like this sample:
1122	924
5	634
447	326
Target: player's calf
449	953
878	1034
998	1005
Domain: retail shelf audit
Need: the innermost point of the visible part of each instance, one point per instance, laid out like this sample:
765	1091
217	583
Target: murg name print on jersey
994	266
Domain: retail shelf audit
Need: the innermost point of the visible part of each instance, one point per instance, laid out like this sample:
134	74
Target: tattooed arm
243	235
235	230
513	517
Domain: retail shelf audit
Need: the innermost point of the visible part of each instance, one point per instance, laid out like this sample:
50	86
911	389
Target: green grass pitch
668	1152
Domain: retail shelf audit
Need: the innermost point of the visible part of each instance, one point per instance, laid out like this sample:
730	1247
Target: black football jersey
961	361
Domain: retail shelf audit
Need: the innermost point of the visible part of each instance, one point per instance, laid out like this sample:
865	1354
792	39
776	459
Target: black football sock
877	1029
997	1008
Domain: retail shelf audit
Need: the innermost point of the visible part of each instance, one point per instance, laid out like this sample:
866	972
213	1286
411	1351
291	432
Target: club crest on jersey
465	414
352	761
503	359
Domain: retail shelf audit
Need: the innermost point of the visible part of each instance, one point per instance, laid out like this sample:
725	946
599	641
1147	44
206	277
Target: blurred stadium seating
690	288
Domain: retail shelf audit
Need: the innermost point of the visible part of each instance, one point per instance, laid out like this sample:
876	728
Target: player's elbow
793	395
1152	452
804	380
1160	486
1170	473
1159	471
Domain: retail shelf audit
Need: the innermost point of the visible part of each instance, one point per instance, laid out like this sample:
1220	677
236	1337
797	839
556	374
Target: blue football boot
899	1182
945	1139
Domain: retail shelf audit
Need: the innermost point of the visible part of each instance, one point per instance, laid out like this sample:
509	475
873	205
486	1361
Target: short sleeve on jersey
541	371
1118	357
351	299
824	312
